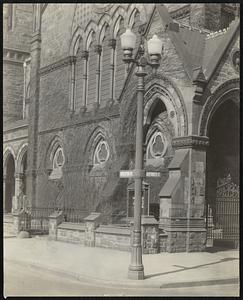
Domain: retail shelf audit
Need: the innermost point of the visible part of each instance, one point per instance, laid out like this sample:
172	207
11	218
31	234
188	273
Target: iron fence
119	219
36	219
74	215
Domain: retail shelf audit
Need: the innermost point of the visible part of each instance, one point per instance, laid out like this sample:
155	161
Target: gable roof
197	48
199	51
216	46
176	38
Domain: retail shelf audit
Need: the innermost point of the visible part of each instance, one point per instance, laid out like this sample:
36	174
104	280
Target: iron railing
74	215
36	219
119	219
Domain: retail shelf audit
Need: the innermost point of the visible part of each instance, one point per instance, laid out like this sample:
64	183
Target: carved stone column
34	109
112	45
18	191
72	95
85	57
98	50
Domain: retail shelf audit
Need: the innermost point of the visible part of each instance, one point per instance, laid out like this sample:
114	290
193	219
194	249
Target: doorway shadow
183	268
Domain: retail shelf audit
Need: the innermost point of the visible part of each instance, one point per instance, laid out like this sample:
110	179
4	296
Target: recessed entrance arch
222	177
9	183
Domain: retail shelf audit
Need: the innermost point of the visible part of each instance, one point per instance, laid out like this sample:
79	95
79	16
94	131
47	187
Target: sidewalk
110	267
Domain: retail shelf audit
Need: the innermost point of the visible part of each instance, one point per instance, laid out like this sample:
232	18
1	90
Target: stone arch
74	45
19	160
117	16
8	151
89	30
165	90
98	133
102	32
132	10
229	89
104	21
9	171
51	149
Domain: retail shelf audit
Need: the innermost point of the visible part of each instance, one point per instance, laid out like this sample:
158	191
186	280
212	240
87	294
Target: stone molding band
191	142
57	65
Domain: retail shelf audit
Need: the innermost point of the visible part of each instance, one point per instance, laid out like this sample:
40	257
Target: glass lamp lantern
128	44
154	51
128	40
154	46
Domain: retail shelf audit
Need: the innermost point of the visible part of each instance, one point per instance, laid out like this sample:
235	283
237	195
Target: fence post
55	219
91	223
18	216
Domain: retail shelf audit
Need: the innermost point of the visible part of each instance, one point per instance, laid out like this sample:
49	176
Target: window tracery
101	153
157	146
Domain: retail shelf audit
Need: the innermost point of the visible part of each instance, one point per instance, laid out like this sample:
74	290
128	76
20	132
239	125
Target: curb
90	280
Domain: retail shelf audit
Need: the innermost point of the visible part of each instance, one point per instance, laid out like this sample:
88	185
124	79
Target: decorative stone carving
235	58
190	142
198	184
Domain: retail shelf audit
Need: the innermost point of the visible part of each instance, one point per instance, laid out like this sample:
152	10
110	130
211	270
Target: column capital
85	55
98	49
18	175
112	43
73	59
192	141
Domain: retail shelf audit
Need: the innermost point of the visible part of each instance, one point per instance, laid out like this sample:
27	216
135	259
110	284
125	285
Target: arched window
57	163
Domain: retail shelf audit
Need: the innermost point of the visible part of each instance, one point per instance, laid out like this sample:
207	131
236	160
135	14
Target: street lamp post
154	46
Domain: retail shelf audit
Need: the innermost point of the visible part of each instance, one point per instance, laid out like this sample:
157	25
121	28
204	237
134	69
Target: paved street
20	280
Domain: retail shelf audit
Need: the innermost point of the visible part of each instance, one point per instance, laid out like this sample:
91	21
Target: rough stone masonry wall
56	32
18	38
80	190
206	16
13	81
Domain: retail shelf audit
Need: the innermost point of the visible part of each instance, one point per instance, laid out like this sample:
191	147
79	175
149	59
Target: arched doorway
158	133
9	184
222	192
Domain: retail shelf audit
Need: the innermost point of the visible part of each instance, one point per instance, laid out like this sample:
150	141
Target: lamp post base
136	272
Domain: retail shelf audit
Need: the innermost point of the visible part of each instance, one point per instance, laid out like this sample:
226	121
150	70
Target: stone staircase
8	226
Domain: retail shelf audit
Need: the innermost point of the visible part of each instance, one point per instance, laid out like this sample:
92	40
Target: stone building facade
81	109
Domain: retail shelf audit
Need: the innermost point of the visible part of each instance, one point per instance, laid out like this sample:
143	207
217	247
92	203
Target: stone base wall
72	233
184	241
163	242
197	241
113	237
176	241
